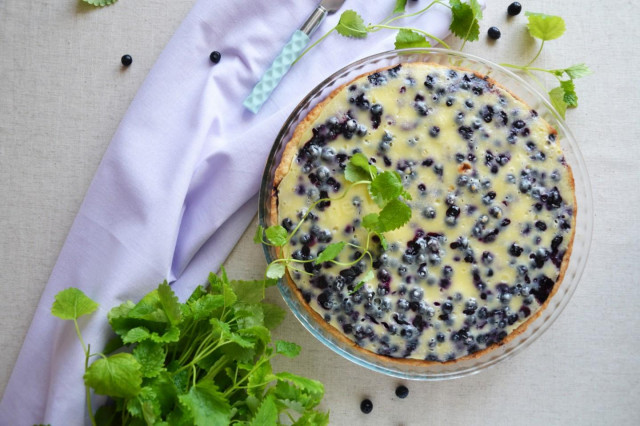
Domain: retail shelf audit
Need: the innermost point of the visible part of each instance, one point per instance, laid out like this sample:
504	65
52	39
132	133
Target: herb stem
86	349
313	45
392	27
537	54
409	15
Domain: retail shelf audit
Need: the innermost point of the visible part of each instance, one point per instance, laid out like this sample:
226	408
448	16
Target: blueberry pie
492	213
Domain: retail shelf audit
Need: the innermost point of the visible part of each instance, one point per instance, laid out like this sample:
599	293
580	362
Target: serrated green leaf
170	336
354	174
257	238
464	19
367	277
248	315
400	6
207	405
119	318
259	379
545	27
169	302
267	413
275	270
145	406
358	169
273	315
315	418
256	333
386	186
330	252
313	388
351	25
100	3
137	334
394	215
206	306
578	71
72	303
371	221
570	97
150	355
556	96
277	235
406	39
288	349
116	376
166	391
404	194
383	242
248	291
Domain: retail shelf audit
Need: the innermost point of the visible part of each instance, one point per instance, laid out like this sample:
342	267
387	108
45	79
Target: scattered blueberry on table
514	8
494	33
215	56
402	392
366	406
126	60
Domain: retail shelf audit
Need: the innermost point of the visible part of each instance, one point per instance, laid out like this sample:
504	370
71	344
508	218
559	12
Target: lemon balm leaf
386	186
556	96
569	97
331	252
545	27
394	215
287	349
465	19
117	376
71	304
207	404
351	25
267	413
275	270
578	71
400	6
277	235
406	39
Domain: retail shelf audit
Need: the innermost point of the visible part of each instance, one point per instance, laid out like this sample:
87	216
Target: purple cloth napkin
177	185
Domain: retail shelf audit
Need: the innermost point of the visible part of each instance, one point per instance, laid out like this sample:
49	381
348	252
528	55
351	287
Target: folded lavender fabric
177	185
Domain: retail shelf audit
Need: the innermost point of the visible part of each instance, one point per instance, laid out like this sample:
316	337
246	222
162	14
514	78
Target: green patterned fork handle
288	55
276	71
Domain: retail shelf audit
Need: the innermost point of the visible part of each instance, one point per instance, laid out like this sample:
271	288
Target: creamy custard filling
492	203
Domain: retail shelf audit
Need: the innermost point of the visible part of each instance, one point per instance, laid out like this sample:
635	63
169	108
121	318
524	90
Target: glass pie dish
583	225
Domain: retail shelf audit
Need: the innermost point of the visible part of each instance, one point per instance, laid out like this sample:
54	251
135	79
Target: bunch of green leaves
202	362
384	188
465	17
546	28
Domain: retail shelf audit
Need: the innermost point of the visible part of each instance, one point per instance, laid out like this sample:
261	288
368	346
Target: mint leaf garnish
330	252
276	270
556	96
71	304
545	27
394	215
277	235
578	71
267	413
351	25
386	186
410	39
